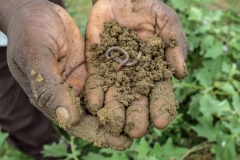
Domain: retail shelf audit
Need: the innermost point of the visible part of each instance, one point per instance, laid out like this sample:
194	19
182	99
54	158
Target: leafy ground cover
208	124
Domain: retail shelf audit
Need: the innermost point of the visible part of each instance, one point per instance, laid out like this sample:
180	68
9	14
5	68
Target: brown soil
38	77
150	69
131	82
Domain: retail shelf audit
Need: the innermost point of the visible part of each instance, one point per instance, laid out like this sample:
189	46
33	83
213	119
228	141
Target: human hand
46	56
145	18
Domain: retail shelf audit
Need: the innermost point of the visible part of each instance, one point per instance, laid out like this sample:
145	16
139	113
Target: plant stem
73	148
196	148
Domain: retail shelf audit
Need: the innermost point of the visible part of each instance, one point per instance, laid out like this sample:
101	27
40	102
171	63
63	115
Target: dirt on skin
38	77
143	76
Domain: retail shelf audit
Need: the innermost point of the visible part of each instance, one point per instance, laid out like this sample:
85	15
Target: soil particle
173	42
38	77
114	123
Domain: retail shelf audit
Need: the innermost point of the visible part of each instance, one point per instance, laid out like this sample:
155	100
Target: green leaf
226	67
233	125
205	128
204	77
213	15
109	151
236	103
116	156
81	143
215	51
227	87
55	150
209	105
206	43
236	84
11	158
155	150
193	42
93	156
143	148
3	137
195	14
151	158
225	148
179	4
211	70
235	45
7	152
157	132
194	106
167	151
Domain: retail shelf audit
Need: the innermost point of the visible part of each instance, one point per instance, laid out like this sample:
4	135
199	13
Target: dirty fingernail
62	114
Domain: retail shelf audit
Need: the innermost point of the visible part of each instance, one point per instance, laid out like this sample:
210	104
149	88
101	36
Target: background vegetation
208	124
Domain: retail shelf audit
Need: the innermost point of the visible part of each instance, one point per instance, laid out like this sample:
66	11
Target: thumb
55	98
37	71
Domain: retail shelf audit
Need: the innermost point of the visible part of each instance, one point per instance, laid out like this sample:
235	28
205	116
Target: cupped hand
145	18
46	56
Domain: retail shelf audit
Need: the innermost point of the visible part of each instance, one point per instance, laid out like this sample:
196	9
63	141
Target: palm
144	18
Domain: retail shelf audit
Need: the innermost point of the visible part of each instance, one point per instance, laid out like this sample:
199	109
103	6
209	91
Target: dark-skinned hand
46	56
145	18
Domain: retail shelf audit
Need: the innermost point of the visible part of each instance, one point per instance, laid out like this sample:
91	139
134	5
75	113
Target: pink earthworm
120	61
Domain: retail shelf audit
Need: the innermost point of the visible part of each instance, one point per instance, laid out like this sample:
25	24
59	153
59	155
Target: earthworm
136	60
120	61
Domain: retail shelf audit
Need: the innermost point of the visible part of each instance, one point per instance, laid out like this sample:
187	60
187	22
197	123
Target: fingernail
62	114
162	121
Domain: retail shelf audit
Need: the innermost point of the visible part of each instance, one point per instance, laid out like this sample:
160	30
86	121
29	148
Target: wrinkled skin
46	56
144	17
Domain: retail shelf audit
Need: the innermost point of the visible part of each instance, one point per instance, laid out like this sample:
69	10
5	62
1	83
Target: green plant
210	94
208	124
7	152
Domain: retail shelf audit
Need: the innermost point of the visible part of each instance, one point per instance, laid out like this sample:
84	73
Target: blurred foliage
79	10
209	96
7	152
208	124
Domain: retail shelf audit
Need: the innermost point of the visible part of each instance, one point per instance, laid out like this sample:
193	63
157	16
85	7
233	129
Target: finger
94	95
163	105
112	115
171	31
94	92
137	124
73	56
54	97
94	1
50	95
90	129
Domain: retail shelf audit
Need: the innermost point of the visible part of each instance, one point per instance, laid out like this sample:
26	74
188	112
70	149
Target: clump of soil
142	77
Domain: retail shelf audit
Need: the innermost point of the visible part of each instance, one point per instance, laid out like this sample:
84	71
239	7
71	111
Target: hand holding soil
46	57
123	96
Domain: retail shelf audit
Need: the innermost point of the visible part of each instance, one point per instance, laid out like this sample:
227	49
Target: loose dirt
132	81
143	75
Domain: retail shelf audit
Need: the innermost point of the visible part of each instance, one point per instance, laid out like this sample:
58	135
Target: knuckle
45	98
